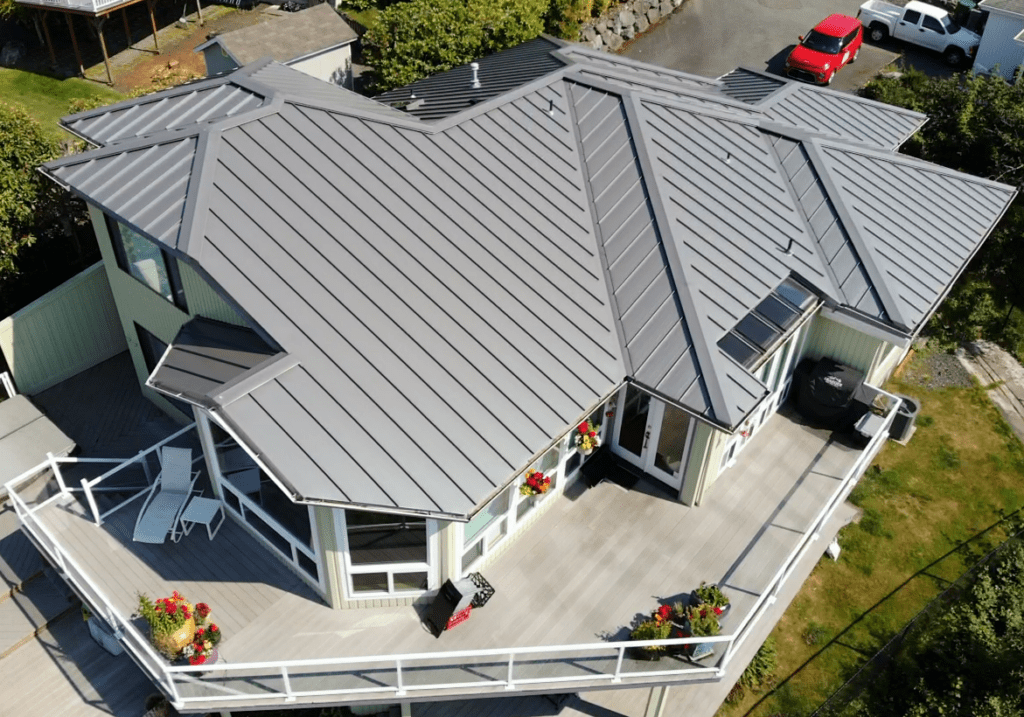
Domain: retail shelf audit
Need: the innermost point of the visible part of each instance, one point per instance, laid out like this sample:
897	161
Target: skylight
757	332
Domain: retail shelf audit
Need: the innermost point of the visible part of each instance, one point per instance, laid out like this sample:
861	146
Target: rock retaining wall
624	22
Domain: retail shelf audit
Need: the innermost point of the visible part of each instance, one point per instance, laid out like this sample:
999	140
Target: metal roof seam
855	232
709	368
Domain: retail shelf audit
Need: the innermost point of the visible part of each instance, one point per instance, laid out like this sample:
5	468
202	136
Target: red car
832	43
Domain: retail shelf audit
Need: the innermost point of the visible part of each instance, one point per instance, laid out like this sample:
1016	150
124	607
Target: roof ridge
868	258
712	374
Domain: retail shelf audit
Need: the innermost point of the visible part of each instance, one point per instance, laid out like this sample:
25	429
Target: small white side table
202	510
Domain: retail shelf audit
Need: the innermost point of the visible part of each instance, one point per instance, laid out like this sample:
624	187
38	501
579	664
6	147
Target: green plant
652	630
761	670
736	694
815	634
703	620
925	421
873	523
947	456
564	17
711	595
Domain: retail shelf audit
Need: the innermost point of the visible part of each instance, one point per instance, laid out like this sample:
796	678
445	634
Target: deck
594	562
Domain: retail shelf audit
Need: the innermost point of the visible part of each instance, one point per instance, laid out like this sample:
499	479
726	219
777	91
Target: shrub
711	595
761	670
564	17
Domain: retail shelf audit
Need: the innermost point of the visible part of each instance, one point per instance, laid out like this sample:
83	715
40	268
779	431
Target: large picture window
147	262
386	553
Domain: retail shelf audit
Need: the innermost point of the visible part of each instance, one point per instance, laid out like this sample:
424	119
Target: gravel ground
937	370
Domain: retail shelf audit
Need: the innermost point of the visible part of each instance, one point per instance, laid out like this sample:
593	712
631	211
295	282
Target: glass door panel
675	426
634	421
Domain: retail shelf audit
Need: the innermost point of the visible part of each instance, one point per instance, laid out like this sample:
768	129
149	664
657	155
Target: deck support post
74	44
152	21
49	41
199	12
99	22
127	27
406	709
657	701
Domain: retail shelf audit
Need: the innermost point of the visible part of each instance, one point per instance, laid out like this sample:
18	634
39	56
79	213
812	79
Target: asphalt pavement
712	37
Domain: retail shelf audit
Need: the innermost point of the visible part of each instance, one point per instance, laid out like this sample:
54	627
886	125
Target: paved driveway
711	37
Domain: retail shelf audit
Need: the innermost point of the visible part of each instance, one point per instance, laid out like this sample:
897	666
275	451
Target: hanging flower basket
586	438
536	483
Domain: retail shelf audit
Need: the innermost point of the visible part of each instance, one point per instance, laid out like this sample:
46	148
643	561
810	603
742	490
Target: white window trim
314	553
431	567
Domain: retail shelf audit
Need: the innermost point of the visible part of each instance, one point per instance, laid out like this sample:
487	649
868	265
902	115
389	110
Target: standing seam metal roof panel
749	86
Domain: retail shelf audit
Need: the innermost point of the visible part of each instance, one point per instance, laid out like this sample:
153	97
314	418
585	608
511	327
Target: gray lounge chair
172	489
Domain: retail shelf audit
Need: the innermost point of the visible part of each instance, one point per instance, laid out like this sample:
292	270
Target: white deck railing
508	669
83	5
7	385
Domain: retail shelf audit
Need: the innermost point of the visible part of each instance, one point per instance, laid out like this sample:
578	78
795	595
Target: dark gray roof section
850	279
749	86
920	241
26	436
203	101
204	357
286	37
842	116
641	70
447	93
451	296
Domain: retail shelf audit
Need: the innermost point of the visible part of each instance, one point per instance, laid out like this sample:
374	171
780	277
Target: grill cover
831	394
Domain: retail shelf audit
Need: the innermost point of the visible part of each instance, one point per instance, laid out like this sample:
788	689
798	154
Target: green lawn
931	509
47	98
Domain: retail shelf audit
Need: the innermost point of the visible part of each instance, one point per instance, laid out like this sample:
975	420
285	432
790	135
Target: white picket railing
398	675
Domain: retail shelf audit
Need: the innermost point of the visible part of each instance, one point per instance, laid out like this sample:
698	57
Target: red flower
213	628
718	611
175	595
203	609
583	427
196	659
703	613
592	434
664	612
199	632
172	608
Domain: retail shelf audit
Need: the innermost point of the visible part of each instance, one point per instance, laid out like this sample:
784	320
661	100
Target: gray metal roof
286	37
285	81
26	436
749	86
451	296
184	106
205	357
842	115
444	94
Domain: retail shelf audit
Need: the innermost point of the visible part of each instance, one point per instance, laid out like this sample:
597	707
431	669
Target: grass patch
931	510
46	98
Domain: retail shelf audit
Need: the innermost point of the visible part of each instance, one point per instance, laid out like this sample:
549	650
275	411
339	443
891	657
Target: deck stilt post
74	44
657	701
152	21
98	22
49	40
199	12
127	27
406	709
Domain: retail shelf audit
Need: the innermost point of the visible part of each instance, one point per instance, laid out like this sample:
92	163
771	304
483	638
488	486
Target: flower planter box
103	635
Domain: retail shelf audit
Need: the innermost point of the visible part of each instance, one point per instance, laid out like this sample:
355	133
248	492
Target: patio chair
161	511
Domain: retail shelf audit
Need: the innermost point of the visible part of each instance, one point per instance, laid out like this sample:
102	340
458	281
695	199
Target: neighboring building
1002	41
316	41
379	323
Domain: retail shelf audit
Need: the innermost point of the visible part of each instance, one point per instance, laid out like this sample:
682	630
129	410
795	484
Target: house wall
218	61
697	471
888	359
334	66
70	329
844	344
998	46
329	556
138	304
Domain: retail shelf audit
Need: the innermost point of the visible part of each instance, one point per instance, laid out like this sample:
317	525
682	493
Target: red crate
458	618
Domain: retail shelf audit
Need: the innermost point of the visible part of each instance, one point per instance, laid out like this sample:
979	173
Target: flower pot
171	643
645	654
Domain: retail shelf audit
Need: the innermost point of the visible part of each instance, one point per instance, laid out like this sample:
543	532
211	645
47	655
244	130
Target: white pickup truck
920	24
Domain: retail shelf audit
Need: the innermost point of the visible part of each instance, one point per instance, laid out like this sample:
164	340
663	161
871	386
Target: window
152	351
932	23
912	16
819	42
145	260
851	37
377	538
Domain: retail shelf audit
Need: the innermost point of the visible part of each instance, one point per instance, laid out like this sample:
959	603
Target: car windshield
823	43
951	27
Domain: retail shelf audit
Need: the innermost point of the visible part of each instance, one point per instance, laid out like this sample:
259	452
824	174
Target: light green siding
887	362
138	304
713	465
694	474
844	344
68	330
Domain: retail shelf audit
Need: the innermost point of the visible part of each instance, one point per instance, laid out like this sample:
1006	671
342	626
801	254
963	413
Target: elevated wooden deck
594	562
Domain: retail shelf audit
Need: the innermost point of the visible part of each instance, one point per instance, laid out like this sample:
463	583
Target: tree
24	193
414	39
975	125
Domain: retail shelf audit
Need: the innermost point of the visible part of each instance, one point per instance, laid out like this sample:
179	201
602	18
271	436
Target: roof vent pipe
476	80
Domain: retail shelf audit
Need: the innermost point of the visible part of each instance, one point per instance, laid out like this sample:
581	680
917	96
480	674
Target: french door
652	435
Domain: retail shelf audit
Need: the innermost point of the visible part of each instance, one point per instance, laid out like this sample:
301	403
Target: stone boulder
653	15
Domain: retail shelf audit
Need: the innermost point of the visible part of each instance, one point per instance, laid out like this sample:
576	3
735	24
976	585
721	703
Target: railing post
618	664
729	650
289	697
509	684
398	673
51	459
92	503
